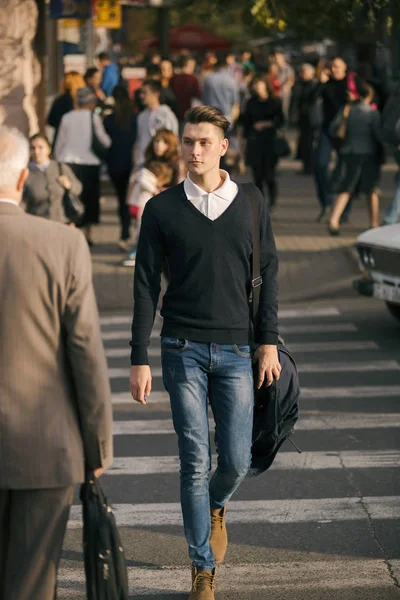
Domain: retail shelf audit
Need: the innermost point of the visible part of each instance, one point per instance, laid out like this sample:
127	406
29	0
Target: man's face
147	95
95	80
166	68
191	65
202	146
306	74
338	69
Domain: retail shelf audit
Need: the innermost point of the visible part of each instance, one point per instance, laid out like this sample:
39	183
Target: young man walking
203	228
155	116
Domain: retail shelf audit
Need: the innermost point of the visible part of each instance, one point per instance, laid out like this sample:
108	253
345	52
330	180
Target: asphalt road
321	525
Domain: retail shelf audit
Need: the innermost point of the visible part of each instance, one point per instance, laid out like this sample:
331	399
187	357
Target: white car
379	254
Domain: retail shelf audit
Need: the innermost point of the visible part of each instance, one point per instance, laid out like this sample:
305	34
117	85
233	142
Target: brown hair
163	171
40	136
172	153
263	79
207	114
123	108
72	82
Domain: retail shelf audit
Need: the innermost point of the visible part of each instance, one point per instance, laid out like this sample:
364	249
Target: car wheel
394	310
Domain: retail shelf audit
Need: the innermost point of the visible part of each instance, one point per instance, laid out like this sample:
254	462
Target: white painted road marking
308	574
368	391
259	511
125	335
297	313
313	461
316	347
307	393
345	367
356	367
305	423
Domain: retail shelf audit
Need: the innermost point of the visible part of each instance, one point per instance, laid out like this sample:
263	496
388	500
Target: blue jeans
393	210
194	373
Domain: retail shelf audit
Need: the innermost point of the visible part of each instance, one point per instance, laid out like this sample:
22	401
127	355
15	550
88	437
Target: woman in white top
74	147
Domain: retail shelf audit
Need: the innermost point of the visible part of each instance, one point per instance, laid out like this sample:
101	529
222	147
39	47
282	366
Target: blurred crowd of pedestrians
346	120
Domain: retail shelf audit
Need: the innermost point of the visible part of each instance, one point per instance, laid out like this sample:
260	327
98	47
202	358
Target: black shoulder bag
276	408
73	207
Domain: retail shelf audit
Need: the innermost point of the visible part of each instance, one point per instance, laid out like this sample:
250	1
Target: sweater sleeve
268	308
147	284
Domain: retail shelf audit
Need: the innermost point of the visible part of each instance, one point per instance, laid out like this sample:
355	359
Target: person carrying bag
73	207
276	408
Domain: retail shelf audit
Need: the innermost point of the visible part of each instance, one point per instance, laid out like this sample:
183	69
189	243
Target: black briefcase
104	557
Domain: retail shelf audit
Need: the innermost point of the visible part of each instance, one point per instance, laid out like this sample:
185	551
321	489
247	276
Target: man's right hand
325	76
140	383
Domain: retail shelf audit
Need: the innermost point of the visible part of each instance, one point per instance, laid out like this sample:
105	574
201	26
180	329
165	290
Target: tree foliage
322	18
231	19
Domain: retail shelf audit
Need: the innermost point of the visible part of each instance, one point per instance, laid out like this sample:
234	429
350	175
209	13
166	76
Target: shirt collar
227	190
9	201
42	168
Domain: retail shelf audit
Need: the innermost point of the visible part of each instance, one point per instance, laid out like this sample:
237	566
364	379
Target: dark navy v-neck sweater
209	264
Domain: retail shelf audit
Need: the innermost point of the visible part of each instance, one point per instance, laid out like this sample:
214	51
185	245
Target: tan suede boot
219	535
203	583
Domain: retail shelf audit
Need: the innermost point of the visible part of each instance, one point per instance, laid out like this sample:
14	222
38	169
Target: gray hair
14	155
85	96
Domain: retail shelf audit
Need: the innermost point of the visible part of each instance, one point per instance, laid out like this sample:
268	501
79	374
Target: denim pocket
242	350
175	345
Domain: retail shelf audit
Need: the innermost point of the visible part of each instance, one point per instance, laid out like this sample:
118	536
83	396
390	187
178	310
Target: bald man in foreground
55	408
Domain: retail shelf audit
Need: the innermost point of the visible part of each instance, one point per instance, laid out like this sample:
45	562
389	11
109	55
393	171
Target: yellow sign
107	14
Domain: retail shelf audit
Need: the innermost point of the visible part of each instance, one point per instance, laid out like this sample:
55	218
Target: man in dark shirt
186	88
333	92
205	336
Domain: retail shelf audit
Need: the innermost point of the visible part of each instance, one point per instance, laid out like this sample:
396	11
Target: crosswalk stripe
297	313
313	461
307	393
372	391
316	347
305	423
125	335
357	367
259	511
308	574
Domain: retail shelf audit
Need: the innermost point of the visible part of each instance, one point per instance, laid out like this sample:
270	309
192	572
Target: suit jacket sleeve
87	359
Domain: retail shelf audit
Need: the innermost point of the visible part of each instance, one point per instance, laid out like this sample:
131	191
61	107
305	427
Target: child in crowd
143	185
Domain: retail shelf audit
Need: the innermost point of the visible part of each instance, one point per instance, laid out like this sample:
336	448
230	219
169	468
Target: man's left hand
269	367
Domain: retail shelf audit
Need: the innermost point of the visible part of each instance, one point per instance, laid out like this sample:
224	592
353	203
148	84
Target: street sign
107	14
70	9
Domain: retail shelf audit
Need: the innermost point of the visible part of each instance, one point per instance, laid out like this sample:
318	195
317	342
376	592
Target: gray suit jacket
55	408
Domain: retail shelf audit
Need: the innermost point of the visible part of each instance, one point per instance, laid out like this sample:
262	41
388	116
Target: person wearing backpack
391	135
203	228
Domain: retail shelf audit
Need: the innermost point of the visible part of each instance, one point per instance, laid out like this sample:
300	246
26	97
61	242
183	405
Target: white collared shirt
212	204
9	200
